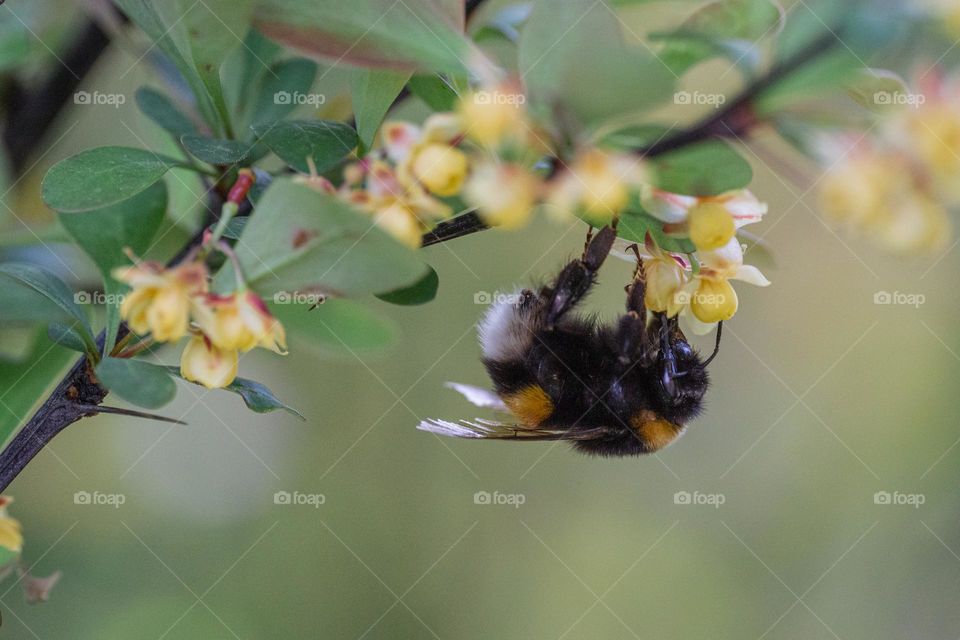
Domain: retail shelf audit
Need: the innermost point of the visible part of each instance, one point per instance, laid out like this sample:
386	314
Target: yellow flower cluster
481	155
896	187
170	303
672	286
11	537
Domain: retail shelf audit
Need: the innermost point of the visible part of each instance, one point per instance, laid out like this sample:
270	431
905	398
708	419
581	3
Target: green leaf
141	383
159	108
294	141
877	89
235	227
101	177
104	234
216	151
279	88
420	292
208	31
48	287
434	91
259	398
706	169
635	224
574	60
336	325
23	384
427	34
144	13
255	395
729	27
298	240
373	93
66	337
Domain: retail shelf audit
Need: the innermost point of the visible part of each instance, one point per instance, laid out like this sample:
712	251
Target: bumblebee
623	389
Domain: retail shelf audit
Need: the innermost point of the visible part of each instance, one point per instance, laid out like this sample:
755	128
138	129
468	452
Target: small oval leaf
141	383
103	176
215	150
294	141
420	292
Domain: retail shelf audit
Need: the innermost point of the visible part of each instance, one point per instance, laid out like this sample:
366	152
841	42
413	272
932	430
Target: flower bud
490	117
664	278
400	222
440	168
714	300
505	194
711	225
205	363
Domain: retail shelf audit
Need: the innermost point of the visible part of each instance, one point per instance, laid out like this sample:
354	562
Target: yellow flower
709	221
240	322
714	300
492	117
504	194
10	536
711	225
709	295
440	168
161	298
401	223
598	186
205	363
665	276
858	190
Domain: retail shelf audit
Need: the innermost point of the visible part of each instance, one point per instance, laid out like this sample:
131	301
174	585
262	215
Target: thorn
128	412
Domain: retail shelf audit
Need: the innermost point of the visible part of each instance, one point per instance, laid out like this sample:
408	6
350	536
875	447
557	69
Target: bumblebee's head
681	382
681	377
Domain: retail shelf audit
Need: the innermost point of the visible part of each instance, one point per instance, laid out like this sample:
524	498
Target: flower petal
751	275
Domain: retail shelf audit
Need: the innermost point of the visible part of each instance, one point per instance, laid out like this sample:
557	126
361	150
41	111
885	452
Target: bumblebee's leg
578	276
632	340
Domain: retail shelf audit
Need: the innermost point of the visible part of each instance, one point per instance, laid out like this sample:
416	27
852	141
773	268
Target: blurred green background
820	399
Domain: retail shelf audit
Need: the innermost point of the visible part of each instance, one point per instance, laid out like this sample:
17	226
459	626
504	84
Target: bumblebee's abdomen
531	405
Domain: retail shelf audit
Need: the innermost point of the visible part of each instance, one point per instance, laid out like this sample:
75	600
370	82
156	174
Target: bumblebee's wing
480	428
479	397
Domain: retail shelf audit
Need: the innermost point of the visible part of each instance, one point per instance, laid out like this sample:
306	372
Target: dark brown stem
735	120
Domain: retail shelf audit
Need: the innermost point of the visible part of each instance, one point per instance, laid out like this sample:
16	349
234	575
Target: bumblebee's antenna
716	348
